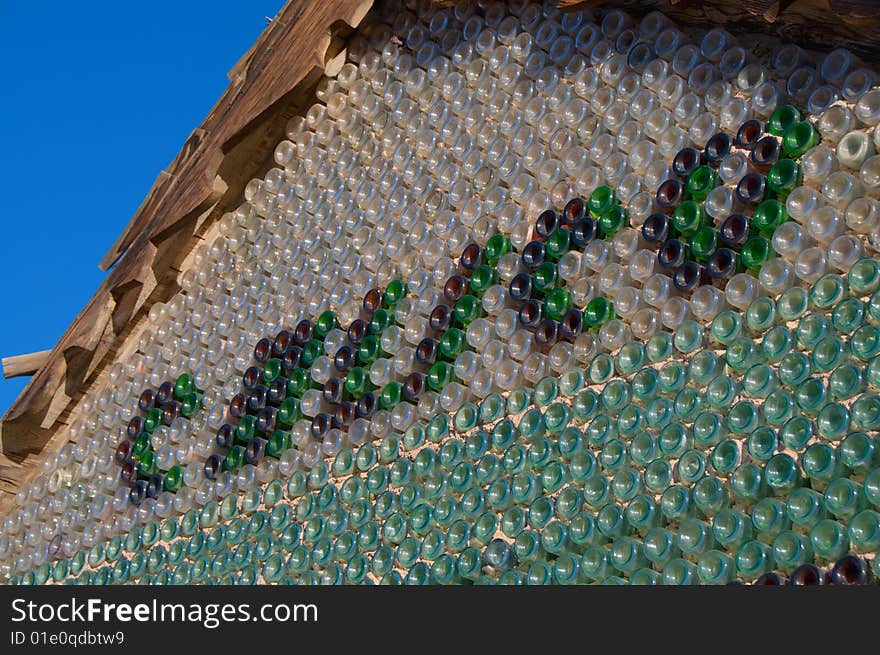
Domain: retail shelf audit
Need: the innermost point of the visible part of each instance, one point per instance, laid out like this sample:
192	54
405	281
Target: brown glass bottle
686	162
344	359
357	331
129	472
529	314
721	264
547	221
366	405
333	391
770	579
212	466
170	411
533	255
688	276
345	414
471	257
440	318
251	378
734	231
669	194
574	210
582	232
806	575
455	288
137	492
413	386
671	254
154	485
321	424
849	570
717	147
765	153
282	342
372	301
123	452
546	333
147	400
277	392
255	450
266	420
655	229
225	436
263	350
256	399
426	351
238	405
748	134
135	427
571	324
290	359
520	287
302	334
751	188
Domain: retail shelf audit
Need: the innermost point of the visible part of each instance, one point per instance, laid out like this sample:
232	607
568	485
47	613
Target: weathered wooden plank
21	365
814	24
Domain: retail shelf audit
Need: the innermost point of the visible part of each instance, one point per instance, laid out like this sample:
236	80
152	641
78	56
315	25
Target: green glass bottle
821	464
769	517
799	137
559	241
747	483
783	118
731	528
497	246
753	559
184	386
782	474
755	252
395	290
467	309
769	215
612	221
483	277
700	182
844	498
680	572
704	243
791	549
805	507
557	303
598	311
695	537
688	217
725	327
601	200
783	177
715	567
830	540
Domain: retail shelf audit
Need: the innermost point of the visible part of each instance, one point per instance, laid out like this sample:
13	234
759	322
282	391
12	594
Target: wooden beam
22	365
812	24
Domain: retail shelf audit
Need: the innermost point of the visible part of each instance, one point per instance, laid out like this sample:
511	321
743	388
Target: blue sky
98	98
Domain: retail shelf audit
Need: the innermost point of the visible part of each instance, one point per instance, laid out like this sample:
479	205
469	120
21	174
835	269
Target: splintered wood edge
20	365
